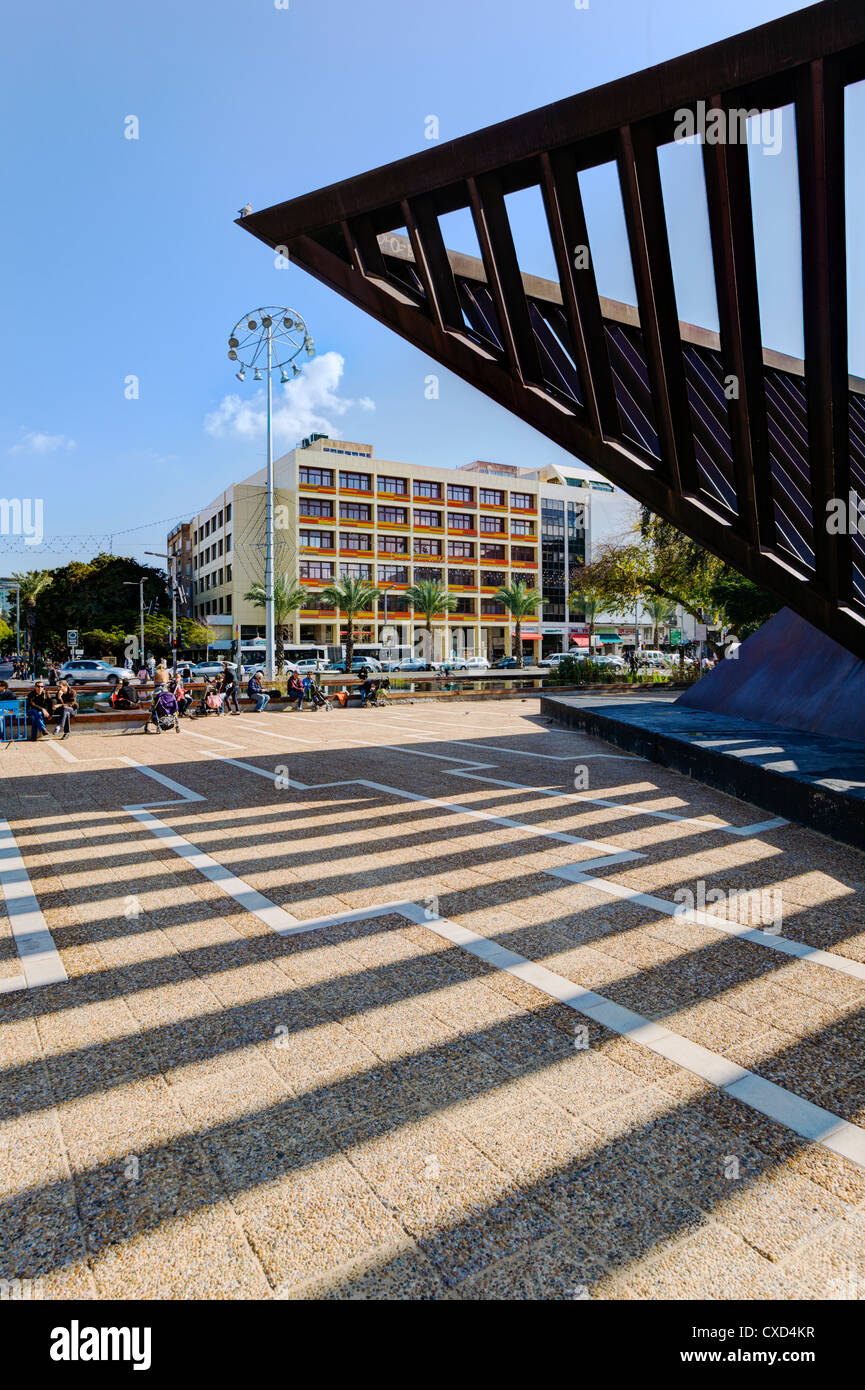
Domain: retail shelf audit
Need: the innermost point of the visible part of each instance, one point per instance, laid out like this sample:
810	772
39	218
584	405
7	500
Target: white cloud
309	403
36	443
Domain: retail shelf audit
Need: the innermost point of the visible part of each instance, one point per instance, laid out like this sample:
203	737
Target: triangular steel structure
739	446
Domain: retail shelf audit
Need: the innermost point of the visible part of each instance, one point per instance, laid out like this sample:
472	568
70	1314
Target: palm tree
30	586
521	602
430	597
350	597
287	598
584	598
661	611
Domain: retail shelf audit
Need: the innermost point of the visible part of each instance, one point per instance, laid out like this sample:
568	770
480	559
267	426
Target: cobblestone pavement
229	1097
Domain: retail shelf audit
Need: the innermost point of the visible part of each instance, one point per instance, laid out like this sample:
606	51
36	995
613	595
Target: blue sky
122	258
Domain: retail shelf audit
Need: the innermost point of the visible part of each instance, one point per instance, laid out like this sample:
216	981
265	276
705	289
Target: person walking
53	674
38	705
228	687
255	688
180	695
65	705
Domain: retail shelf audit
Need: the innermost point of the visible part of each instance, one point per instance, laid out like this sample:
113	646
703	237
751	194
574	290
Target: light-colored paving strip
583	871
40	959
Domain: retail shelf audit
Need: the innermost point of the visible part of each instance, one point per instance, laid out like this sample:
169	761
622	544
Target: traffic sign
72	637
675	636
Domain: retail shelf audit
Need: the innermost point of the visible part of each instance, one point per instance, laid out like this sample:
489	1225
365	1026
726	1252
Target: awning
610	637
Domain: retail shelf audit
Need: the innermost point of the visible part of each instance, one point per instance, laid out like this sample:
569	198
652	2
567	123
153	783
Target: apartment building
179	549
341	511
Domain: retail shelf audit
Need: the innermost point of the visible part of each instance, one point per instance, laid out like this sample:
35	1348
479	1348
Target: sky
125	271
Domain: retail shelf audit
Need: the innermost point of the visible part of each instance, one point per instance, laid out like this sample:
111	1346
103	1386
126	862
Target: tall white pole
141	619
268	563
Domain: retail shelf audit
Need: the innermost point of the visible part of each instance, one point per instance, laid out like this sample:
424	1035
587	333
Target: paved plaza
429	1002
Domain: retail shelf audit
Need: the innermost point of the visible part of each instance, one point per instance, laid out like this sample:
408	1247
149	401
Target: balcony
524	564
348	553
317	550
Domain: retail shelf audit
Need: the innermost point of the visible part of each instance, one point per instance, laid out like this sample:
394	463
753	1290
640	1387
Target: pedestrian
150	663
161	677
123	696
228	687
180	695
38	705
295	689
53	674
256	690
65	705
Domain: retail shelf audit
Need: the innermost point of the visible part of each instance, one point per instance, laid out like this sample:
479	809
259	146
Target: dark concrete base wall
831	811
788	673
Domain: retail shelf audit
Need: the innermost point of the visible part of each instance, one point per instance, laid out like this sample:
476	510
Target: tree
521	602
430	597
661	612
94	597
287	598
350	597
30	585
745	605
586	598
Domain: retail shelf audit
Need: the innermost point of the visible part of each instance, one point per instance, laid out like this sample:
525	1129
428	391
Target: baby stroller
378	694
211	701
164	713
313	691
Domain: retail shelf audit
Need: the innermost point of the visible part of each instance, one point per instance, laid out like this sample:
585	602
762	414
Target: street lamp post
130	584
270	338
172	577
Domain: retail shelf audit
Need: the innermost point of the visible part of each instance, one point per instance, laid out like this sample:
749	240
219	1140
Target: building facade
339	511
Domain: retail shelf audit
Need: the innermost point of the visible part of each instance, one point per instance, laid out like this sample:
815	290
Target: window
220	545
490	608
358	482
427	518
465	577
521	527
220	576
195	562
461	550
219	522
315	477
421	572
352	569
228	574
393	545
522	552
316	569
492	497
355	511
320	540
456	493
430	490
316	506
492	579
228	543
393	516
392	574
523	500
491	524
228	512
466	606
461	521
352	540
398	485
492	552
427	545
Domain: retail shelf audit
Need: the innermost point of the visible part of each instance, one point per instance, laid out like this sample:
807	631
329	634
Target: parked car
654	660
618	663
210	668
357	663
455	663
309	663
504	663
414	663
94	672
477	663
555	657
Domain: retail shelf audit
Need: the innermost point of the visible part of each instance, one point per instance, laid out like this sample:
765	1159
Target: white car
578	654
93	672
477	663
210	668
308	664
414	663
655	660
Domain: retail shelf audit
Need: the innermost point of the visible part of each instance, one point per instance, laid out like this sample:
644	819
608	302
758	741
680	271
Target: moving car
504	662
308	664
618	663
578	654
477	663
94	672
210	668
